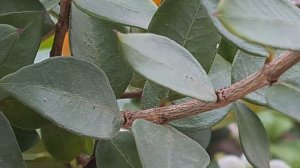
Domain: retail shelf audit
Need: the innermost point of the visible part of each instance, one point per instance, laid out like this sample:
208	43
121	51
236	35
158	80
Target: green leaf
211	7
20	115
253	136
26	46
95	41
8	37
227	50
137	13
246	64
150	98
25	138
200	136
243	66
11	6
118	152
23	51
285	98
164	146
161	66
64	145
187	23
14	6
258	21
73	94
220	75
10	154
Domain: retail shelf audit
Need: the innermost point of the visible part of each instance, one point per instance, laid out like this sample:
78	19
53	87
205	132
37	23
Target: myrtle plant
180	66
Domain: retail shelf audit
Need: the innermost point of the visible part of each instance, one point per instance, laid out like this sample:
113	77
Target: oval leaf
118	152
164	146
18	6
136	13
285	98
259	21
171	66
211	7
253	136
26	46
96	42
196	33
244	65
74	94
10	154
64	145
8	37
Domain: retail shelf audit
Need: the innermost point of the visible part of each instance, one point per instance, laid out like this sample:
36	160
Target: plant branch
267	75
61	28
132	95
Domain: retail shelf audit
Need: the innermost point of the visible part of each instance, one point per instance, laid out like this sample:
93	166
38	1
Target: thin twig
269	74
132	95
61	28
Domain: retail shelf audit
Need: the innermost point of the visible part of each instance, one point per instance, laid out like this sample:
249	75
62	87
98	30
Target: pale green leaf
262	21
253	136
74	94
164	146
10	154
171	66
285	97
136	13
211	7
8	37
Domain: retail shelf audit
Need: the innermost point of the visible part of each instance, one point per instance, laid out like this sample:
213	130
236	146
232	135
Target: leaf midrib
191	25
